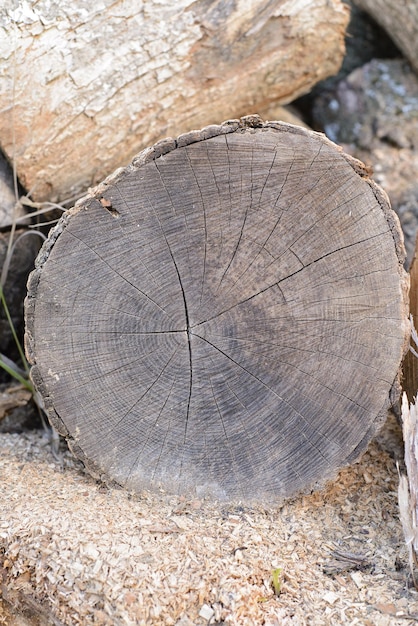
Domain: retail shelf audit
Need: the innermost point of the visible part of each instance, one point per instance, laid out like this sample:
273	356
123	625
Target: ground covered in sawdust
75	552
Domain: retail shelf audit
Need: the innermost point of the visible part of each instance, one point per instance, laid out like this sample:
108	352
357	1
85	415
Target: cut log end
237	329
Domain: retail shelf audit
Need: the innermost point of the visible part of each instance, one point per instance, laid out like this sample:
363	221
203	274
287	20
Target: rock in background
371	109
373	113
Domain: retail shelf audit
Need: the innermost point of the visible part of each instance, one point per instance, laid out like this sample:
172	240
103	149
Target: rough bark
86	86
227	315
400	20
410	364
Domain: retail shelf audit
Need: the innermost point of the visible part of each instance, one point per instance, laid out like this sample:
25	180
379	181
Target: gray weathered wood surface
227	315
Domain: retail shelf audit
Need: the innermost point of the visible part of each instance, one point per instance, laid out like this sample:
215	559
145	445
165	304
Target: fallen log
84	88
400	21
227	315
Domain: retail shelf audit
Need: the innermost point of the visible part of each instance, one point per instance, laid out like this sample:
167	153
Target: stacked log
400	20
83	90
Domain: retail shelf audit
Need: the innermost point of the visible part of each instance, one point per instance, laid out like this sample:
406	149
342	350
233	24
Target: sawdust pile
75	552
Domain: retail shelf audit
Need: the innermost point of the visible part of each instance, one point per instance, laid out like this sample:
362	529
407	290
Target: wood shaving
76	552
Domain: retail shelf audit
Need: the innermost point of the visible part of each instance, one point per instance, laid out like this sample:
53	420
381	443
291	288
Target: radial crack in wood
225	316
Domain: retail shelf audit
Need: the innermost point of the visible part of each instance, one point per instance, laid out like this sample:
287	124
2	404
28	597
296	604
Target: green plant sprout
7	364
19	374
32	210
16	372
276	580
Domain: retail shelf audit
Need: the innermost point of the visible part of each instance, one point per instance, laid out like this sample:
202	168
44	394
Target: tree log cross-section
226	316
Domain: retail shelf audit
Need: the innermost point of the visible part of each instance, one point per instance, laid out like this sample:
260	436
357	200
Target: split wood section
225	316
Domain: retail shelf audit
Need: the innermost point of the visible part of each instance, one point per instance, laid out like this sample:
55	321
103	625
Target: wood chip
13	397
86	556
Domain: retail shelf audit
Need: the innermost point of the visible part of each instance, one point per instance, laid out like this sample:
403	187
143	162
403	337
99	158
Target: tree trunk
84	89
227	315
400	20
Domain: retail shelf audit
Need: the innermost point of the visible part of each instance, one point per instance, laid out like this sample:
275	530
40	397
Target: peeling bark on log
86	88
408	485
410	364
400	20
227	315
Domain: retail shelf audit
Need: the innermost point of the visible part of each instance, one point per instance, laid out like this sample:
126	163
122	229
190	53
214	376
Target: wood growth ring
227	315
